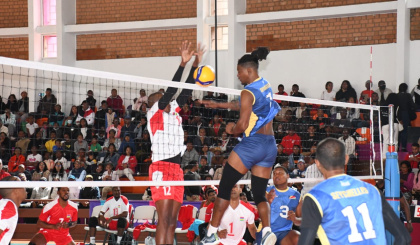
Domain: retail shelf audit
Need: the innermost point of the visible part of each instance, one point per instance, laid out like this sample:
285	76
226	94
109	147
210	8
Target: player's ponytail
253	59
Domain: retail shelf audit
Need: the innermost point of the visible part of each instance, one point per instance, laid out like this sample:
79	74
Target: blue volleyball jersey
282	203
351	211
264	108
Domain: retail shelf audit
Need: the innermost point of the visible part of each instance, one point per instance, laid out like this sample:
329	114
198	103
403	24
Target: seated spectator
201	139
414	156
12	104
23	107
140	128
16	160
118	208
100	116
33	159
111	155
99	171
218	158
50	143
406	177
58	131
328	93
321	119
22	142
281	156
112	139
352	113
299	110
90	162
49	163
2	105
382	92
80	143
204	168
47	103
8	119
127	164
101	136
38	142
108	175
366	95
279	133
374	100
219	171
210	197
40	171
190	154
59	158
185	114
90	100
281	91
89	192
226	143
85	130
217	127
81	157
288	121
31	126
57	117
127	141
75	190
22	170
57	146
295	93
58	173
341	122
346	91
300	172
3	173
95	147
294	158
86	113
282	113
115	102
68	147
140	100
205	152
192	193
78	172
350	146
310	139
128	128
116	127
71	120
45	130
290	140
110	117
41	193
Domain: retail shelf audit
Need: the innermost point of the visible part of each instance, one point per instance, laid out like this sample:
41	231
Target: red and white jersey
8	220
235	222
166	133
115	207
53	213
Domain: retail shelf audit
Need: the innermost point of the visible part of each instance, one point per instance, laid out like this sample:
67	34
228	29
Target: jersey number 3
355	236
284	210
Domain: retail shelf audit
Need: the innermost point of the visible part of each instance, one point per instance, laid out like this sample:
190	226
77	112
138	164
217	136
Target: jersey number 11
355	236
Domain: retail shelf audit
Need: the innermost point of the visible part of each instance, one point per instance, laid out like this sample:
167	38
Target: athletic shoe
210	240
269	238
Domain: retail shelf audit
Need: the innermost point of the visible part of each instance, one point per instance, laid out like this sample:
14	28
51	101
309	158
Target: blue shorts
279	234
258	149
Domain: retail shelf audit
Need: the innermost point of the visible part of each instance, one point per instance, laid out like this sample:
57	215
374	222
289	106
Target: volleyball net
58	97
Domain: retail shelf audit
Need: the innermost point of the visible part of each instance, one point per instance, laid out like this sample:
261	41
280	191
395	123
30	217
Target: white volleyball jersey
8	220
235	222
166	132
115	207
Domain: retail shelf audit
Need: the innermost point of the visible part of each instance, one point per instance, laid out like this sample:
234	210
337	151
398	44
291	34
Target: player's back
264	108
8	220
351	211
281	205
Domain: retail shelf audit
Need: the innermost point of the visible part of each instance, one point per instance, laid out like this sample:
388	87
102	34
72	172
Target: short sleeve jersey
53	213
283	202
166	132
115	207
8	220
264	108
235	222
351	211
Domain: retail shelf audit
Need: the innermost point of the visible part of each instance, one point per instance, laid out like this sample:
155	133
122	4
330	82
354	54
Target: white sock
119	239
211	230
92	240
265	230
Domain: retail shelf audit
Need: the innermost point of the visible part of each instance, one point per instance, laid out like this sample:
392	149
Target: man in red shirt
280	92
55	220
414	156
3	174
290	140
115	102
16	160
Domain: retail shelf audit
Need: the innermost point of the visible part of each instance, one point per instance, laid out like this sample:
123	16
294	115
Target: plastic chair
202	213
141	215
95	213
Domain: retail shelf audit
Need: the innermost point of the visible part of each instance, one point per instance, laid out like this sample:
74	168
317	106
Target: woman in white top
328	93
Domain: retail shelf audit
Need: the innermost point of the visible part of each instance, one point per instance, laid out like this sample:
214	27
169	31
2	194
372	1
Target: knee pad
93	222
230	177
259	187
121	223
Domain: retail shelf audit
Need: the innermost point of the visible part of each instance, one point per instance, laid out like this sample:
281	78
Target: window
222	7
49	12
222	38
50	46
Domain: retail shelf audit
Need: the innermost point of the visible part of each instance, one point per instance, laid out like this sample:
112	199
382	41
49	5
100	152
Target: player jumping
167	137
55	220
257	150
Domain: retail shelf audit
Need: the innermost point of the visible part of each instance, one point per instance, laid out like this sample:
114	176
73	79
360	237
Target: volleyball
204	76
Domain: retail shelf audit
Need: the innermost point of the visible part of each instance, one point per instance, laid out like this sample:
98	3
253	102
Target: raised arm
234	105
171	91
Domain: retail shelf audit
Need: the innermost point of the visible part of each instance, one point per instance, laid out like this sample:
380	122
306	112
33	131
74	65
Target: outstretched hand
186	54
201	49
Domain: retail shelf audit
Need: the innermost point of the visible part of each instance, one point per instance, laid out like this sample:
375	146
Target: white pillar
66	42
237	41
34	38
403	43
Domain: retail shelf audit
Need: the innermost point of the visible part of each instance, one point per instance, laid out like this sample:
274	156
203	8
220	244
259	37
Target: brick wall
415	24
325	33
13	13
14	48
258	6
105	11
133	44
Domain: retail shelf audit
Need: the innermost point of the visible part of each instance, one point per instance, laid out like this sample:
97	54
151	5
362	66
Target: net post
392	173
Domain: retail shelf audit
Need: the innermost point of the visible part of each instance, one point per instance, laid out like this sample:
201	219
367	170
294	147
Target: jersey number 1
355	236
270	97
